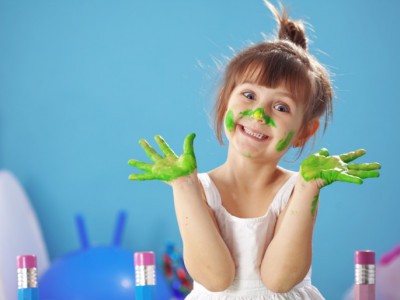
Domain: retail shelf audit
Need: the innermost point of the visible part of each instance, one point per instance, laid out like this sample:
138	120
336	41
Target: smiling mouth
256	135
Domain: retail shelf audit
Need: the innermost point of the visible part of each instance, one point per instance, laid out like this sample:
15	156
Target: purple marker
27	277
145	273
364	288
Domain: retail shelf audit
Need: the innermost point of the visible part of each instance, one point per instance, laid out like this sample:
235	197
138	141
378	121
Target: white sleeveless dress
247	240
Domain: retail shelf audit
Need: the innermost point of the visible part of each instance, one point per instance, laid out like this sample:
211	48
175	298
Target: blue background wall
82	81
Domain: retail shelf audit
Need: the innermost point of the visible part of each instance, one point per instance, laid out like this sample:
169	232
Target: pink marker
145	273
364	288
27	277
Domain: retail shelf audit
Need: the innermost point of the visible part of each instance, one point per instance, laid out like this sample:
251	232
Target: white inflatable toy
20	234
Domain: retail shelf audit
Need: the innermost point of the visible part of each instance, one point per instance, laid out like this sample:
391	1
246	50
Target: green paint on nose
229	121
283	143
259	114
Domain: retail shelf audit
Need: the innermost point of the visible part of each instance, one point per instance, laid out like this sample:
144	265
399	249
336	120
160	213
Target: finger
350	156
144	176
140	165
365	167
343	177
323	152
188	144
150	152
165	148
364	174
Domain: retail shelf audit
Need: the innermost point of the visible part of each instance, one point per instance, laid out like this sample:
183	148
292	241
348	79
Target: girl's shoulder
209	190
286	186
286	173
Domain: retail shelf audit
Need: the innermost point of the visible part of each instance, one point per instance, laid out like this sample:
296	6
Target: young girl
247	225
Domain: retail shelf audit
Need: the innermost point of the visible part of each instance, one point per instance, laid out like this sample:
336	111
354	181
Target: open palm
337	167
168	167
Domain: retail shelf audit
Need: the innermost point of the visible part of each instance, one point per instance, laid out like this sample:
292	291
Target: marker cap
364	257
144	258
26	261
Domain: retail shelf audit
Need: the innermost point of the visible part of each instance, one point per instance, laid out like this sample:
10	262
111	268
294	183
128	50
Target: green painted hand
337	168
169	167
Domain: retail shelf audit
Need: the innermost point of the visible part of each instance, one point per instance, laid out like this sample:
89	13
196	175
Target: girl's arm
288	257
206	255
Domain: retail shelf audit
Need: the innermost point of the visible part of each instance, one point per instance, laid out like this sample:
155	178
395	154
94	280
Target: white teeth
256	135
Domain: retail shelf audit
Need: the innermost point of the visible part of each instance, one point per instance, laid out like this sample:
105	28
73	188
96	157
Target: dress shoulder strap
210	190
283	195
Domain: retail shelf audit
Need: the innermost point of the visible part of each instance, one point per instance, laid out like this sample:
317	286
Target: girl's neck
250	172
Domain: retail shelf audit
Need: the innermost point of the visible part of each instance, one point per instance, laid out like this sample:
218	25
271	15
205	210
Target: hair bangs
275	69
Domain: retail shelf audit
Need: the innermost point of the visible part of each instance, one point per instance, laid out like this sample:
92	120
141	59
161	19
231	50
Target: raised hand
337	168
168	167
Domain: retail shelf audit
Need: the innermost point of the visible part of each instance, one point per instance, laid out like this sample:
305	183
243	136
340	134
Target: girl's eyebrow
285	93
279	91
246	84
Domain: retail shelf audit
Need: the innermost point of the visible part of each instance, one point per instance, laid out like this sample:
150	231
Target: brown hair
283	61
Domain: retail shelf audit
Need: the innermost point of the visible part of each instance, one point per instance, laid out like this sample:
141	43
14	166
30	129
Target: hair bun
288	29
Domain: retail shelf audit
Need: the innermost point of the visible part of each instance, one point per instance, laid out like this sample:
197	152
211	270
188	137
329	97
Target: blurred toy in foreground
389	275
175	272
20	233
101	272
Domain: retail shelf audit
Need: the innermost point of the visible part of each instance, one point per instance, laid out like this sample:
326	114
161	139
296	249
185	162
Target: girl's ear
308	132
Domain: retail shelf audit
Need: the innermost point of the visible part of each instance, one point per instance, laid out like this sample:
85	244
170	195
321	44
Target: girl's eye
249	95
281	108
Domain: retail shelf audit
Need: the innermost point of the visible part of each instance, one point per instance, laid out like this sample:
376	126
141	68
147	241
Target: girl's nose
259	115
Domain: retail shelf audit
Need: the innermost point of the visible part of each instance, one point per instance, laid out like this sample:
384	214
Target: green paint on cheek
229	121
248	155
314	204
258	114
283	143
247	113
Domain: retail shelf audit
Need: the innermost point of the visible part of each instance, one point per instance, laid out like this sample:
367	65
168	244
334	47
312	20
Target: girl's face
262	122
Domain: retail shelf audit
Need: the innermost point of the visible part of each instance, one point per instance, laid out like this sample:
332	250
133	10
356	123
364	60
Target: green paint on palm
283	143
169	167
337	168
314	204
259	114
229	121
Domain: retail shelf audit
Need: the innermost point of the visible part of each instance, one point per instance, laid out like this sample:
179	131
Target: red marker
364	288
